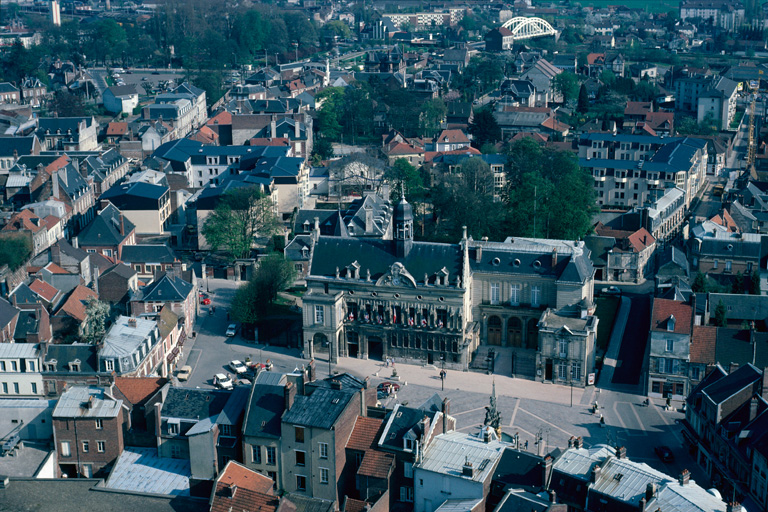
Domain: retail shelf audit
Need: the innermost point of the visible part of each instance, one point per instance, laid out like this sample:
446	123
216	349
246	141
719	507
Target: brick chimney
578	442
122	225
176	268
368	220
546	468
685	477
621	452
650	491
289	393
554	257
595	475
478	254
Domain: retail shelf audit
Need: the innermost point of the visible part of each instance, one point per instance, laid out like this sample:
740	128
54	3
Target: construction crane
752	145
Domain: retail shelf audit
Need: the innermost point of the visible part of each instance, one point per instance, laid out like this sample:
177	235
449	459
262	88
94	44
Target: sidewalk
429	376
614	344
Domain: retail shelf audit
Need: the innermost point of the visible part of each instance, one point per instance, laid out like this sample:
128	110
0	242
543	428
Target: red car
205	301
388	387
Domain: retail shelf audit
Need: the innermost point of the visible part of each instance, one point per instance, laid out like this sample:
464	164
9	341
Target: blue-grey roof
22	146
265	408
135	195
22	294
194	404
235	406
141	470
86	353
7	312
72	402
104	229
744	376
147	253
378	256
167	288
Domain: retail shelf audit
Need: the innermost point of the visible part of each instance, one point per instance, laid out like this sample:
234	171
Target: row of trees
546	194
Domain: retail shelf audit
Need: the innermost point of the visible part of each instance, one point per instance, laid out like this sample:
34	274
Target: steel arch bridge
528	28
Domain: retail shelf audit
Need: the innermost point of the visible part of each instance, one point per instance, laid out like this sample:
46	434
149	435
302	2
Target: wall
432	489
78	430
146	221
34	416
202	456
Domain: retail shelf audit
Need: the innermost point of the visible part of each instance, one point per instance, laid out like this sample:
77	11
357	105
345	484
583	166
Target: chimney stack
595	475
56	253
546	468
753	408
641	505
650	491
578	442
368	220
316	229
734	507
570	441
335	384
289	394
467	470
685	477
733	367
552	497
478	254
621	452
122	224
765	383
554	257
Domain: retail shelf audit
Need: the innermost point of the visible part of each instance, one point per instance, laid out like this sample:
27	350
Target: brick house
87	431
107	233
669	349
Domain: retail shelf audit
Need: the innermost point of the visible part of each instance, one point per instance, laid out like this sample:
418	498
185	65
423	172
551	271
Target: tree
95	327
699	283
431	116
583	104
322	150
241	215
737	285
484	128
755	283
66	104
15	249
567	85
687	125
608	77
273	275
720	315
548	194
403	176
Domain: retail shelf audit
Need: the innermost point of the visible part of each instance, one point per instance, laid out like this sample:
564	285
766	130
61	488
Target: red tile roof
75	304
405	149
353	505
703	343
43	289
25	219
664	309
637	108
117	128
555	125
243	500
593	58
448	136
51	221
138	389
269	141
244	478
221	118
365	434
538	137
55	269
641	240
376	464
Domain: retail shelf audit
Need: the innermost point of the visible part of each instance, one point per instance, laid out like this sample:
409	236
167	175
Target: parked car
184	373
238	367
231	330
664	453
611	290
205	301
222	381
388	387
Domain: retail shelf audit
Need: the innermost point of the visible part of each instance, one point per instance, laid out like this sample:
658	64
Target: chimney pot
650	491
685	477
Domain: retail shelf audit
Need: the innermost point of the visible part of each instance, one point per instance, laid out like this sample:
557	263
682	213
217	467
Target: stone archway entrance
532	337
320	343
494	330
375	348
514	332
353	344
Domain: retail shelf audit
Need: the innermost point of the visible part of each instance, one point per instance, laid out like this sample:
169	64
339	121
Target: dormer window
51	365
408	444
671	323
74	366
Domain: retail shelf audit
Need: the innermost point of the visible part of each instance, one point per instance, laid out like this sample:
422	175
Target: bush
15	249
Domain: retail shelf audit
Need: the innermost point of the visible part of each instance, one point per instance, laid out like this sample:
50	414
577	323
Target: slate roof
533	257
101	405
378	256
519	468
135	195
21	145
23	294
147	253
741	346
78	494
401	421
447	454
120	269
166	288
193	404
104	229
264	410
321	409
663	310
65	354
726	387
140	470
741	307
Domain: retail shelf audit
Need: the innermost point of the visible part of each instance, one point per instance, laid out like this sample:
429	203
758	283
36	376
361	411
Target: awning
174	353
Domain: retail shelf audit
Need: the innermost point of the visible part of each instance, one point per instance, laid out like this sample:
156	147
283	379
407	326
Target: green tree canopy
95	326
484	128
549	195
721	320
566	84
404	176
15	249
273	274
241	215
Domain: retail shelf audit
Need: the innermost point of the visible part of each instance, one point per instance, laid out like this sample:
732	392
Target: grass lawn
605	310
